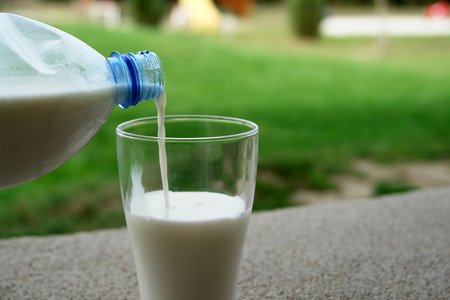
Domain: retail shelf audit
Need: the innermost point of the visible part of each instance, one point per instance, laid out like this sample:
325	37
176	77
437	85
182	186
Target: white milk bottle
56	92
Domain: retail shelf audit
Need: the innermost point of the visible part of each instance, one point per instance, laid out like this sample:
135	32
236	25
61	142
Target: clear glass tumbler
189	248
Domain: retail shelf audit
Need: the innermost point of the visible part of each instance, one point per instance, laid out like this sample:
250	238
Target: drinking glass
181	250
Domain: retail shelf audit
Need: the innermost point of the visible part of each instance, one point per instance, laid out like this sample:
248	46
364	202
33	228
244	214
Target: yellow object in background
202	15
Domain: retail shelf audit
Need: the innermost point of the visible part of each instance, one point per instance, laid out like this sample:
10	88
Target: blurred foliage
319	106
269	1
384	187
149	12
306	16
269	195
329	2
363	2
371	2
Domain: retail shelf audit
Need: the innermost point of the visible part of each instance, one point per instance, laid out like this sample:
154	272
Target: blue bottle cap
138	77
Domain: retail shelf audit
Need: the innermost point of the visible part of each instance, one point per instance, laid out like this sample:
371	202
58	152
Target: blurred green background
322	103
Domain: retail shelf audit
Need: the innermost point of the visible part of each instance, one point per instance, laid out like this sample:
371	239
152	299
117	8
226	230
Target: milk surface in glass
190	250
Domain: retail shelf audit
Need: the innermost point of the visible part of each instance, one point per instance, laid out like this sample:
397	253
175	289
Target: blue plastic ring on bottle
122	78
135	86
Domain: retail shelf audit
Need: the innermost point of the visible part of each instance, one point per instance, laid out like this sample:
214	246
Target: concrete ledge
388	248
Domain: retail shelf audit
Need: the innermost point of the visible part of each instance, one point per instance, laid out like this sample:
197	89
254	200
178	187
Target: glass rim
252	129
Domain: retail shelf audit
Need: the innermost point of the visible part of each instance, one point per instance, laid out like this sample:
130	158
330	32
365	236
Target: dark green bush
149	12
306	16
385	187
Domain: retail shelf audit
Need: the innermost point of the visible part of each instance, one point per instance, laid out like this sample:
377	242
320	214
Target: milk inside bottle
56	92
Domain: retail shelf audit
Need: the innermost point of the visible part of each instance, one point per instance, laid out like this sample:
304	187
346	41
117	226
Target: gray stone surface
395	247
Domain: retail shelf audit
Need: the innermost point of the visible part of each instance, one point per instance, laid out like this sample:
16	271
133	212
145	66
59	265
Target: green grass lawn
319	105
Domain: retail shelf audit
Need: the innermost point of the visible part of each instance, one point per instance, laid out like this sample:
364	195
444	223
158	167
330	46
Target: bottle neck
137	76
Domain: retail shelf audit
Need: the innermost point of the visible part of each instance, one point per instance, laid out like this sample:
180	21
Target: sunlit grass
319	105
